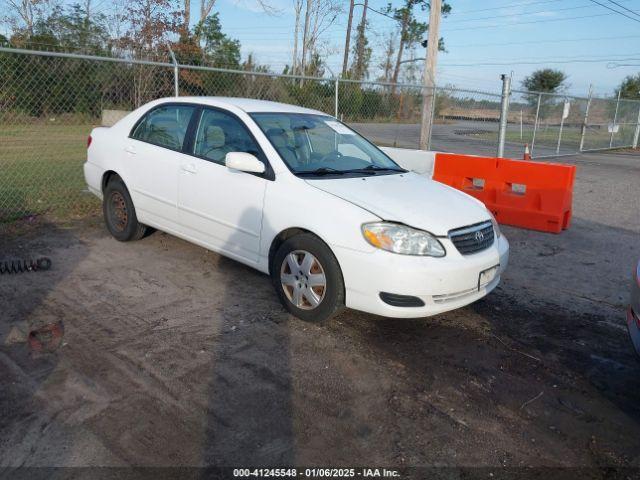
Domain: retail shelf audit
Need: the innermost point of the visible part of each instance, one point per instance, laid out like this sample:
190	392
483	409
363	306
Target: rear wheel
119	212
307	278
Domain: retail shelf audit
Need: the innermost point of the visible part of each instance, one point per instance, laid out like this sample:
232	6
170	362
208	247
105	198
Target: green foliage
415	30
545	80
630	87
362	54
217	47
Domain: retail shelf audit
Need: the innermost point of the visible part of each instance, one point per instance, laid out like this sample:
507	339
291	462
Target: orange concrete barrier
535	195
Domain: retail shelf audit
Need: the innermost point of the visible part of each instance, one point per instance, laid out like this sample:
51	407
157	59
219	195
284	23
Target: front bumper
443	284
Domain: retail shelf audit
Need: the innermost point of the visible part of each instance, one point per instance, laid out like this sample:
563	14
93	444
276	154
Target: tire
119	212
297	278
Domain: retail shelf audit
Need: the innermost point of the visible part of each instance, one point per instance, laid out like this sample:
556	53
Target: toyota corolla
299	196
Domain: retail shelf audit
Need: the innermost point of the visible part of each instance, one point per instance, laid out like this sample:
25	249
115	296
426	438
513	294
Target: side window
220	133
165	126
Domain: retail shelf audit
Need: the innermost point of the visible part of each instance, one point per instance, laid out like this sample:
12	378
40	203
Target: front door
216	205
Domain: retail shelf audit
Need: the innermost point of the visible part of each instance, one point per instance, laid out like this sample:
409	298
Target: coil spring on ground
21	266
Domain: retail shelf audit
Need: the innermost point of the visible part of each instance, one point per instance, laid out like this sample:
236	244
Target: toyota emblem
479	236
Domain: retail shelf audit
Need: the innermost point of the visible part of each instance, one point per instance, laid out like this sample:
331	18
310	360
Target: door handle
130	150
188	167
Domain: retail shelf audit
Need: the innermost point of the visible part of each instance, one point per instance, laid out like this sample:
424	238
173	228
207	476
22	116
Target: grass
41	170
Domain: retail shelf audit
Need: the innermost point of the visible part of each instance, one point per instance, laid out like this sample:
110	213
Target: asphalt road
461	136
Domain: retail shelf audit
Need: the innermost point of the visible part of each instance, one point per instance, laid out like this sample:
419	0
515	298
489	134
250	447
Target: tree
23	14
412	31
386	65
345	60
218	49
630	87
362	50
545	80
297	6
319	16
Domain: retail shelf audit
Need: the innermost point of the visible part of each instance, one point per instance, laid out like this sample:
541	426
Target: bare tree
26	11
205	8
306	35
323	14
187	14
297	6
387	63
347	41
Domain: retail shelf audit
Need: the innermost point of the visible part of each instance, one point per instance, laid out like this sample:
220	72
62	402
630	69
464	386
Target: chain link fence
50	101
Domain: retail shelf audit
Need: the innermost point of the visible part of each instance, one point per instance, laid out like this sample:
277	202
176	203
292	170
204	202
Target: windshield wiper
376	168
323	171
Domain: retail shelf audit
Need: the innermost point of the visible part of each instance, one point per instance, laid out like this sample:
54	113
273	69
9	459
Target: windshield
315	145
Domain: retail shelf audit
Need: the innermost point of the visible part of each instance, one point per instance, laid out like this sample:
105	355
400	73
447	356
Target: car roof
248	105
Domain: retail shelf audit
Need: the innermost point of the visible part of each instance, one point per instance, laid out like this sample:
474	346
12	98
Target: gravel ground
173	356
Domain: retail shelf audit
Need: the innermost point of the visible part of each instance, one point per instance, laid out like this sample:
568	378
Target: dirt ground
173	356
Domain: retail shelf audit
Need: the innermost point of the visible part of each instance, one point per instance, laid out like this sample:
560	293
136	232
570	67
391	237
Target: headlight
401	239
496	227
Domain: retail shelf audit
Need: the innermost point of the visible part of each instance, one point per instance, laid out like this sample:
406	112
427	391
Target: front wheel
307	278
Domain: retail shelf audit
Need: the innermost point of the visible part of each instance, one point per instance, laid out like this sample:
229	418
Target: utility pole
347	41
429	76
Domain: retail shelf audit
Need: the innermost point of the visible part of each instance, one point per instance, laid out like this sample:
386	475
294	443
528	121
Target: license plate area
487	276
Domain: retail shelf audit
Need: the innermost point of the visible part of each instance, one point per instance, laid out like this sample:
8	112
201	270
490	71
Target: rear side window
220	133
165	126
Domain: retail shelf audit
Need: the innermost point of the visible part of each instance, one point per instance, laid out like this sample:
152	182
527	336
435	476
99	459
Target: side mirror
245	162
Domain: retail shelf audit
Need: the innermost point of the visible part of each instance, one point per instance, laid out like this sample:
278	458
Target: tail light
89	141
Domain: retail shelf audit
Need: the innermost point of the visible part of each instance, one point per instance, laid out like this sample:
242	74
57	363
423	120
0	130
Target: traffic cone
527	154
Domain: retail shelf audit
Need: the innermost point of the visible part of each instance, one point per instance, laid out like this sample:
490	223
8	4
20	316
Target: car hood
409	198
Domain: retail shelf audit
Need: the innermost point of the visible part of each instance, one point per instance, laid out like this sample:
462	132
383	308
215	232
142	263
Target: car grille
472	239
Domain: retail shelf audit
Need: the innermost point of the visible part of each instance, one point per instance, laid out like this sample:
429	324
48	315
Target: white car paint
244	213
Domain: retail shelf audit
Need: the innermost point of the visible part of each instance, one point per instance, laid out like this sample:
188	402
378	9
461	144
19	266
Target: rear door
155	153
220	207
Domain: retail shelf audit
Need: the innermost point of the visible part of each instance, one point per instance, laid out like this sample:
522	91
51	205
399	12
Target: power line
614	10
547	20
544	62
520	14
536	42
625	8
456	12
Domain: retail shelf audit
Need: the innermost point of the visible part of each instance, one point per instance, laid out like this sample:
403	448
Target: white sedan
300	196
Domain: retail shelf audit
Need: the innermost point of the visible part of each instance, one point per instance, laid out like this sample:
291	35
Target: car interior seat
280	141
213	144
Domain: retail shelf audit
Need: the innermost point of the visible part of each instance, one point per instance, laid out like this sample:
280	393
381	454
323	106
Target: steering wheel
332	156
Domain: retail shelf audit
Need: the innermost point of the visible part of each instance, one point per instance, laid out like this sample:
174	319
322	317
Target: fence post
564	102
504	113
615	119
637	132
535	124
175	73
586	118
336	97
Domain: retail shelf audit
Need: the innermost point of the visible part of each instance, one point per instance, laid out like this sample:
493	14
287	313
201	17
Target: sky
483	39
